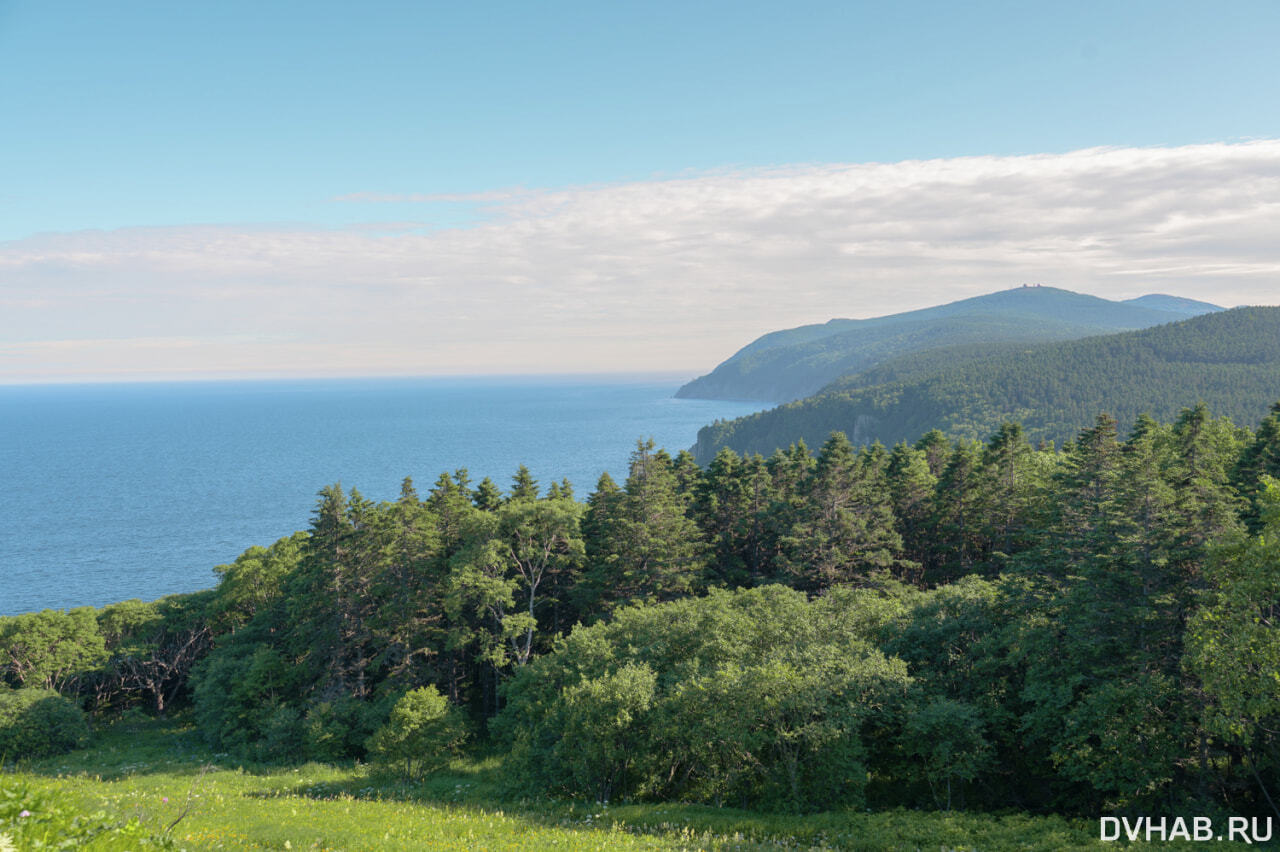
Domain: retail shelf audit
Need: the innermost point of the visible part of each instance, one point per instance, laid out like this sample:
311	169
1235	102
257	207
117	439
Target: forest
946	624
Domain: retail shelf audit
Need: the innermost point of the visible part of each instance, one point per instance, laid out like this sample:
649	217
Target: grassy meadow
139	776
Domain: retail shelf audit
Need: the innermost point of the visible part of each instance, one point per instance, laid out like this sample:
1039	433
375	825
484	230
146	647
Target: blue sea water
138	490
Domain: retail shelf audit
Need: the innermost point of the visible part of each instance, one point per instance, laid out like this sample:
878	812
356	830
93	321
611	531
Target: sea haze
139	490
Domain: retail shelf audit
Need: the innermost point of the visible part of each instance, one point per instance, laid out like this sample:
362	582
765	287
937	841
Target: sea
119	491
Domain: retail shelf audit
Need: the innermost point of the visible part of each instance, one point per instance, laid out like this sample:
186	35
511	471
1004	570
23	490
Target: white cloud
666	274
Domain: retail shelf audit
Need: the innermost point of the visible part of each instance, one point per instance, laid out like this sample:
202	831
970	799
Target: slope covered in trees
794	363
1174	304
1229	359
985	625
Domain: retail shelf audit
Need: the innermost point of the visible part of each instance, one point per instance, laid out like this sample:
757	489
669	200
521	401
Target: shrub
339	729
422	734
39	722
752	698
282	735
239	692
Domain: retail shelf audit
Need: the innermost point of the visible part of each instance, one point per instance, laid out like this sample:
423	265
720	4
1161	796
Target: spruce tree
844	529
407	589
451	505
1088	511
911	488
487	496
959	543
523	485
1010	491
937	450
688	476
1261	457
408	494
732	507
566	489
646	547
720	507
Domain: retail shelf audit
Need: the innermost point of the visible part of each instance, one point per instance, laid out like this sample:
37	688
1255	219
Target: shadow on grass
478	785
142	746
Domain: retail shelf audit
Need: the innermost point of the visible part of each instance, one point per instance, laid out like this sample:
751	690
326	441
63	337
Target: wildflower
165	799
25	813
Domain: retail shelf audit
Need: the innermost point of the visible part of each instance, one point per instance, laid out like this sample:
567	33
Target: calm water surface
122	491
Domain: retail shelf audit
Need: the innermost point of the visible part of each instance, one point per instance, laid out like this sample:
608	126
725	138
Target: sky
234	189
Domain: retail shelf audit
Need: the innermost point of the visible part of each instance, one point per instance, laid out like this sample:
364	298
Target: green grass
138	777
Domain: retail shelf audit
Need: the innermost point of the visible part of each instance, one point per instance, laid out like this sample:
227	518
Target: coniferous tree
408	620
331	598
789	472
845	527
1011	489
408	494
1147	497
647	548
603	513
937	450
1103	656
462	479
720	508
688	474
731	508
1261	457
1206	451
602	509
959	543
318	595
452	507
523	485
790	469
1087	512
759	544
487	496
565	489
1233	648
911	488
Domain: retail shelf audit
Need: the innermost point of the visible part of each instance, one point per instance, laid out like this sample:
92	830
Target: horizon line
627	375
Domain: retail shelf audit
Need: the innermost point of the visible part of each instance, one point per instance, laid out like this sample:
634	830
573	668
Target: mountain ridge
1228	359
1175	304
791	364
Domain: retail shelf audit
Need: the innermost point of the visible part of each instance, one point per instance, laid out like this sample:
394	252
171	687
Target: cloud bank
671	274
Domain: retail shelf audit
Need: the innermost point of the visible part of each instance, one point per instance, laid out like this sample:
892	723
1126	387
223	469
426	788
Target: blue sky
124	114
128	122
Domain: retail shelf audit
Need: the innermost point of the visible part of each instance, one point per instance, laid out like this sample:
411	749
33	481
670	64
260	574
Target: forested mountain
1174	304
1229	359
795	363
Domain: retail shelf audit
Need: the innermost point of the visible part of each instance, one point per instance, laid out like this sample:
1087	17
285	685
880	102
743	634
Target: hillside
1174	304
1230	359
795	363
